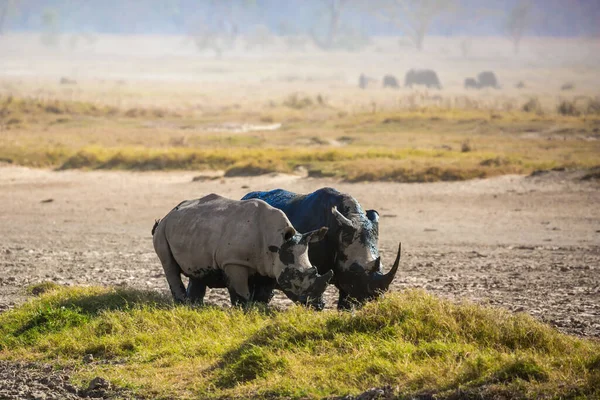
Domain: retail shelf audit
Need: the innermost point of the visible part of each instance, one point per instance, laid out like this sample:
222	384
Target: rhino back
307	213
211	232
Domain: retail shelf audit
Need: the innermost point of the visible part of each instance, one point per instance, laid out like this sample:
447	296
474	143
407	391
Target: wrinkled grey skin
215	240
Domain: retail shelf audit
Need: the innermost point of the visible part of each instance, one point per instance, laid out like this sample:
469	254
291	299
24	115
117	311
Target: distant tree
413	17
218	29
336	34
7	8
50	26
333	10
518	21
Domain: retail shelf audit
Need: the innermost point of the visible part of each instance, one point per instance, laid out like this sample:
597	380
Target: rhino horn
383	281
340	217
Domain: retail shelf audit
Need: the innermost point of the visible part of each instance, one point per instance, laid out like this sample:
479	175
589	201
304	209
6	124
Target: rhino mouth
363	285
304	287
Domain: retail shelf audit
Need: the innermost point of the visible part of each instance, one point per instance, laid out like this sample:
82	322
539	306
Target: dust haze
226	52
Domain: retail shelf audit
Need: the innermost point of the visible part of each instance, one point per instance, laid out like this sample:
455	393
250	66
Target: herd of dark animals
429	78
261	243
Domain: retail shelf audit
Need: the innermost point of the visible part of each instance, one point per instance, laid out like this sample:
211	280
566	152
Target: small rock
98	383
88	358
245	187
47	201
38	395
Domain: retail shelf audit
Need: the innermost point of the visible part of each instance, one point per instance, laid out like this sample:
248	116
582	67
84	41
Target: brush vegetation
417	145
414	342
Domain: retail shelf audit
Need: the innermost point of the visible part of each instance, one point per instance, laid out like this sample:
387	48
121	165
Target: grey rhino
226	242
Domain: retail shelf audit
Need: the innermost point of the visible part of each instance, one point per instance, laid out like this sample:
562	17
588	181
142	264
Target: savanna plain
493	193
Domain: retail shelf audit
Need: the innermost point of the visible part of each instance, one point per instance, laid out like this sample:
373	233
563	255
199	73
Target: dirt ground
529	244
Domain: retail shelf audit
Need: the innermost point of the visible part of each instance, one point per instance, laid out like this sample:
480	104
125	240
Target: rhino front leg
196	291
344	301
237	283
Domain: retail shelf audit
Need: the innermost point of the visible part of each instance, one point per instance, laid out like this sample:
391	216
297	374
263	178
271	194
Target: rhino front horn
387	279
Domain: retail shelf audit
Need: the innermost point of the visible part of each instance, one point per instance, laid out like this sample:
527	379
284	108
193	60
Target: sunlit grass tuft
412	341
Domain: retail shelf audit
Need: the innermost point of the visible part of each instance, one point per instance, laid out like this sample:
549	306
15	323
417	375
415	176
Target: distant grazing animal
67	81
567	86
471	83
425	77
364	81
391	82
219	242
350	247
487	79
520	85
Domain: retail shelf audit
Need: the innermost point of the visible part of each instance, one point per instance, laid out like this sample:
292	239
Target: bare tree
219	28
336	34
518	21
414	17
7	8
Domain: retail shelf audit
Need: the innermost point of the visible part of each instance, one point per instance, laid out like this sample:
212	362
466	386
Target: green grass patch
413	341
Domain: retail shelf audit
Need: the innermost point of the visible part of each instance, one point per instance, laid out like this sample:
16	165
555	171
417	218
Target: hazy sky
466	17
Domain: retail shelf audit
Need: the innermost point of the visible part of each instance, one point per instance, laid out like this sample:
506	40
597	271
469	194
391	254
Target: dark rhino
425	77
471	83
350	247
487	79
219	242
391	82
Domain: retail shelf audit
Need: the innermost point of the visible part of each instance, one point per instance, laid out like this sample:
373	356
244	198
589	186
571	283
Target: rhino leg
237	283
345	302
173	274
261	288
195	291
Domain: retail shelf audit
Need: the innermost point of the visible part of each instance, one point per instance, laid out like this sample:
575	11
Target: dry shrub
593	106
298	101
180	141
568	107
533	106
466	147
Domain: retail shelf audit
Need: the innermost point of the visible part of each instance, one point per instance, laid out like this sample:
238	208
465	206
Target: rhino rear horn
316	235
340	217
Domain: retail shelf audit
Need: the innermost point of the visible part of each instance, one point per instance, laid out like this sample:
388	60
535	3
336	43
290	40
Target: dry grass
420	145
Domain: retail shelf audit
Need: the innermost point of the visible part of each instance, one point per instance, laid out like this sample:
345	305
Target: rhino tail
156	222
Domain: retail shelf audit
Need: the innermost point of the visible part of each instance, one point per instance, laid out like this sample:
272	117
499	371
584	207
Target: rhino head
298	278
358	264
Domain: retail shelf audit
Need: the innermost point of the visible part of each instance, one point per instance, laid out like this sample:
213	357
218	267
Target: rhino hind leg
171	268
195	291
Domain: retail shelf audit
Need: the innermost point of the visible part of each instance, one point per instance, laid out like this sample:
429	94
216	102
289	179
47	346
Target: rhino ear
288	233
373	215
317	235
